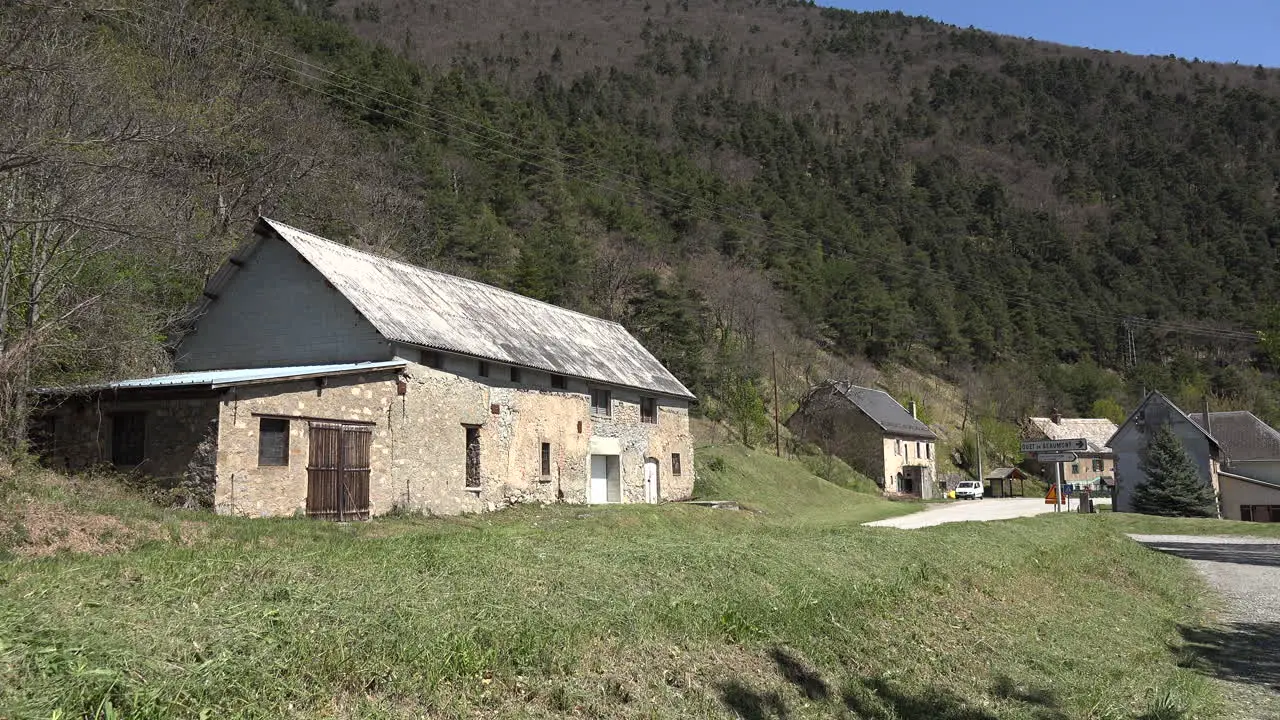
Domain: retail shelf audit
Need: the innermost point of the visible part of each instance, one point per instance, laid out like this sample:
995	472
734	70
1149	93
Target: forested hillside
729	179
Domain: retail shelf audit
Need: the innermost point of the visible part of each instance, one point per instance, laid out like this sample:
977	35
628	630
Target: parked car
971	489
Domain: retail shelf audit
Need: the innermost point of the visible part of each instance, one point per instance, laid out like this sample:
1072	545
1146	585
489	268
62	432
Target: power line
504	144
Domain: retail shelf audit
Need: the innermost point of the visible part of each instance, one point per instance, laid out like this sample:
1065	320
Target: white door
652	490
597	492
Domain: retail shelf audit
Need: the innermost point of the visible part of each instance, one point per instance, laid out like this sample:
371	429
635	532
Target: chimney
1208	423
1055	416
913	408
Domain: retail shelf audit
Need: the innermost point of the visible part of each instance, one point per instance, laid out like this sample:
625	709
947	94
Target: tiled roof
1097	431
1242	435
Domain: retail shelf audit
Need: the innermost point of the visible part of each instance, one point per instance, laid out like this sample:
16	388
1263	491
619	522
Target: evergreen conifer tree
1173	486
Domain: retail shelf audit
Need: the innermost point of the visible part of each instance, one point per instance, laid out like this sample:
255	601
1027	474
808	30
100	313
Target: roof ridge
419	268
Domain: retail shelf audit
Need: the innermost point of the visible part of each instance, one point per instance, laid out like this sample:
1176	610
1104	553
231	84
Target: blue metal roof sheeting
228	378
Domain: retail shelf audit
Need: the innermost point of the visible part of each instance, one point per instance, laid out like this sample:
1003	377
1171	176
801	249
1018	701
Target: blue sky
1247	31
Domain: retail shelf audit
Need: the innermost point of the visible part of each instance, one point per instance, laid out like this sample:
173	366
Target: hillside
735	182
115	608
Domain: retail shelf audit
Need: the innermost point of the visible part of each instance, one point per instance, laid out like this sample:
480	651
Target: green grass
1148	524
674	611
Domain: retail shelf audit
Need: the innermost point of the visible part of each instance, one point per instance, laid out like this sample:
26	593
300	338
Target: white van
971	489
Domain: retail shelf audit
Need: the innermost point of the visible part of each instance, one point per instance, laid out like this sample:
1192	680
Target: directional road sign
1052	446
1056	457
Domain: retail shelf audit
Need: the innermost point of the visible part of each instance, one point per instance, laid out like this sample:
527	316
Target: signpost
1057	452
1055	446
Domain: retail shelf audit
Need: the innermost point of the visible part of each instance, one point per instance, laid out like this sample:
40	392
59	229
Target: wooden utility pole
981	475
777	432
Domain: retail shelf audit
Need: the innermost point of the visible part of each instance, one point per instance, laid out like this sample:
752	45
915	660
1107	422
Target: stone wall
515	419
246	488
174	428
831	422
418	420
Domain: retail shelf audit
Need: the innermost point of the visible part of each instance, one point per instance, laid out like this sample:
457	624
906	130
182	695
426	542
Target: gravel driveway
1243	650
970	510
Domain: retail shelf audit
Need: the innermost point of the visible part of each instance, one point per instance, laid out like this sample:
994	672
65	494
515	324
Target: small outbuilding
1000	482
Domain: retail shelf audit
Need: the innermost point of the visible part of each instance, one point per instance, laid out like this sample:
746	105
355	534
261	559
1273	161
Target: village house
1093	469
326	381
1237	453
873	433
1249	475
1130	443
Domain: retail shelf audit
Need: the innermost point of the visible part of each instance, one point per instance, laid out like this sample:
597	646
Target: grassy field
788	610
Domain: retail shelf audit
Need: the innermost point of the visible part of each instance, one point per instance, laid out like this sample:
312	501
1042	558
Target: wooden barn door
338	472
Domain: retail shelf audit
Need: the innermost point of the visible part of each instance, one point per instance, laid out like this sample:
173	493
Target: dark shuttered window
648	410
273	441
128	438
675	463
546	458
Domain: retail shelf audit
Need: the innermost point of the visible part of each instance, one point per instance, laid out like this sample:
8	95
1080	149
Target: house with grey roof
873	433
1093	469
1249	476
322	380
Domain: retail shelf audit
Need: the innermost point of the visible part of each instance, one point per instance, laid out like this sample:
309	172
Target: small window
515	374
1097	464
546	459
601	403
897	447
648	410
919	450
483	369
473	457
1075	468
928	450
675	463
128	438
273	441
558	382
430	358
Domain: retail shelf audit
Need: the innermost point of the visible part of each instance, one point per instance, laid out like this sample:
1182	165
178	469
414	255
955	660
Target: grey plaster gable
274	309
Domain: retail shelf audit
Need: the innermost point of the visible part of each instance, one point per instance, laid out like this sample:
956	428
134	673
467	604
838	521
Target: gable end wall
278	311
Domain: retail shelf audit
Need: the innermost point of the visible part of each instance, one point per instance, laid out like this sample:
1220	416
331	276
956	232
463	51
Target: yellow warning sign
1051	497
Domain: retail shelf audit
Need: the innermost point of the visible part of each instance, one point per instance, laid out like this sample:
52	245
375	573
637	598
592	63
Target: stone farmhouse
872	432
326	381
1093	469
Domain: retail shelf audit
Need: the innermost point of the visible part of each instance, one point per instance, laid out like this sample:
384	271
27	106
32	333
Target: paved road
1243	648
966	510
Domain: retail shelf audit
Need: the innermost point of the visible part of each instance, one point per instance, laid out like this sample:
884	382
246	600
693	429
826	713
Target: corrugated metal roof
416	306
229	378
1242	434
1097	431
886	412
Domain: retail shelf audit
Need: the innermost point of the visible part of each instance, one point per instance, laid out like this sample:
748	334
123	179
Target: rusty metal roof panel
416	306
230	378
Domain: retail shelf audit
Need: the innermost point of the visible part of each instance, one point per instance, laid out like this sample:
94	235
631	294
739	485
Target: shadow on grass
1265	554
1239	652
877	698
